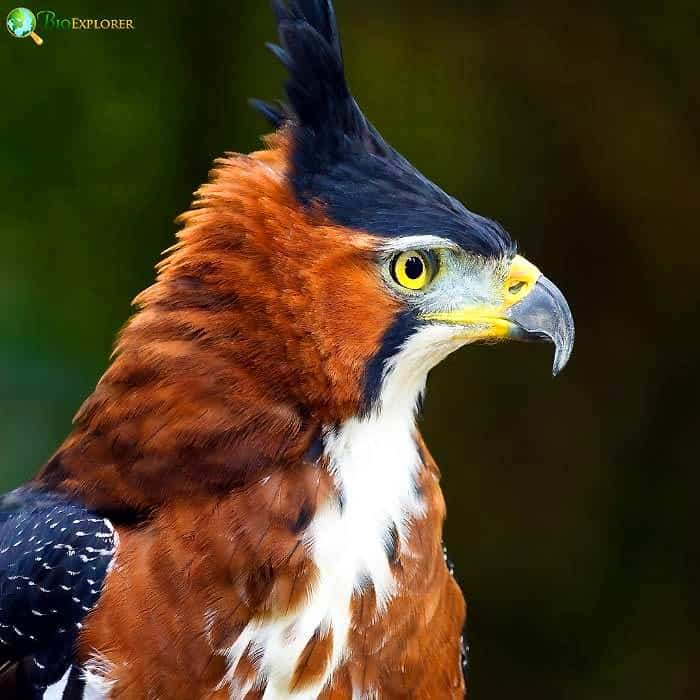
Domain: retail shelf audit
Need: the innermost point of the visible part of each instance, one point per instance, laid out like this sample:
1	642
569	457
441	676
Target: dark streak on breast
392	544
303	519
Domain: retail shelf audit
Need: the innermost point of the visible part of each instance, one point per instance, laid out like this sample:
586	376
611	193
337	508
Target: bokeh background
572	502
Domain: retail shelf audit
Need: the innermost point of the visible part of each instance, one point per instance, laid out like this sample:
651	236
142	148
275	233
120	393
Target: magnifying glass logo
21	23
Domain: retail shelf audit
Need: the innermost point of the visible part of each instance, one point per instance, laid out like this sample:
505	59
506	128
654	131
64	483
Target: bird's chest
350	542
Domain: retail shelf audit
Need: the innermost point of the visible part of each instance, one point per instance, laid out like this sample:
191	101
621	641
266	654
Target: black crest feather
338	157
317	91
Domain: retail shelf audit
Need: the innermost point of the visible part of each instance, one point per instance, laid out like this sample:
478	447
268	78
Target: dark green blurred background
571	502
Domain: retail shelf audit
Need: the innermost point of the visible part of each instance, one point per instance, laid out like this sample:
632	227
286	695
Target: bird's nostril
517	287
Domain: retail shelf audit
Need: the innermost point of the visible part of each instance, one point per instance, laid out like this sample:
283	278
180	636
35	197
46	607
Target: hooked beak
544	315
531	309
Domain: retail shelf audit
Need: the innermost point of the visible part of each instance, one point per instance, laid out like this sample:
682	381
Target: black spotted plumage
54	556
340	160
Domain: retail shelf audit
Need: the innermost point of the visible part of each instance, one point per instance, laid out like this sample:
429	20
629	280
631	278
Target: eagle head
403	274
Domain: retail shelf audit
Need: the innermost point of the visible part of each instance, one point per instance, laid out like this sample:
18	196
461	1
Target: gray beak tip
563	347
545	315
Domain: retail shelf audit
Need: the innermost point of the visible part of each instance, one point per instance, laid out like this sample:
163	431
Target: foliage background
572	503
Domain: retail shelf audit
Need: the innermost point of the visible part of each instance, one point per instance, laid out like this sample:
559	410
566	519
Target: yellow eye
412	269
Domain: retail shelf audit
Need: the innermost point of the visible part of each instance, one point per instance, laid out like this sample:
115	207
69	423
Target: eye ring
412	270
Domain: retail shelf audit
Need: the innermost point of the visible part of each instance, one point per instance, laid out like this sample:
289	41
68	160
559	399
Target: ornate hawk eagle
245	507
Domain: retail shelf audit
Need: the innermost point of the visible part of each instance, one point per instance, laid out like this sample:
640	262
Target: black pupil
413	267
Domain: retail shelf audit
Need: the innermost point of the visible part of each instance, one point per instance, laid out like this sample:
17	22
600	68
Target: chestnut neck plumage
236	357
